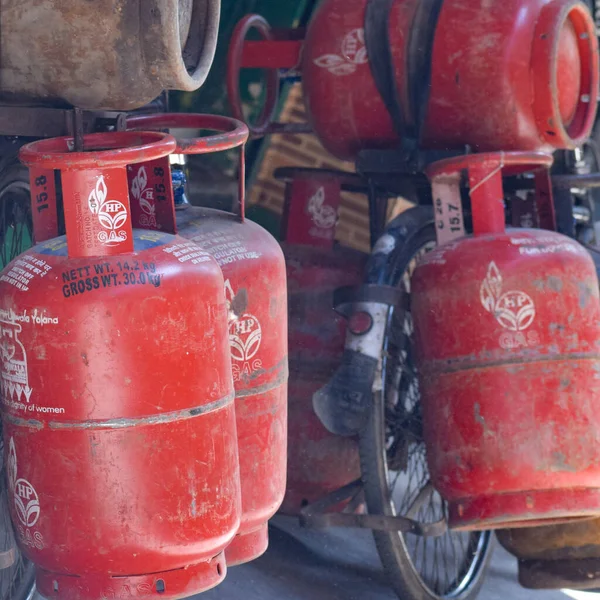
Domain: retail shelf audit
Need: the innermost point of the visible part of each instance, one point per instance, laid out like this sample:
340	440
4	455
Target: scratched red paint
255	286
512	75
507	329
318	461
118	397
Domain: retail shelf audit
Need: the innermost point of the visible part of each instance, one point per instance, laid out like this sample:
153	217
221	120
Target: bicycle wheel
17	580
16	228
394	467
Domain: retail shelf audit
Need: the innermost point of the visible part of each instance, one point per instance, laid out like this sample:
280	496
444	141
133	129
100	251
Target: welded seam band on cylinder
179	415
442	367
282	371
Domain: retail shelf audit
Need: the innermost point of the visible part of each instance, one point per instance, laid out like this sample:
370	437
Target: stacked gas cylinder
317	461
255	286
144	376
507	323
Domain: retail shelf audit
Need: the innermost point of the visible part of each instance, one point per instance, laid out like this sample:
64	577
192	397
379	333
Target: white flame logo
112	214
245	335
353	53
514	310
26	499
323	216
145	197
138	183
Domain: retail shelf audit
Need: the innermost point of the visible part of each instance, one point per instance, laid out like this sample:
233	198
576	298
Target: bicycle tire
403	573
18	581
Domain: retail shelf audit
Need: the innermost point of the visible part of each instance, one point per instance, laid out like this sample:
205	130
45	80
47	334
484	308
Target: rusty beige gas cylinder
104	54
557	556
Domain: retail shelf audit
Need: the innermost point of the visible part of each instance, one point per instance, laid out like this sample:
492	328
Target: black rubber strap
344	298
377	42
418	66
420	55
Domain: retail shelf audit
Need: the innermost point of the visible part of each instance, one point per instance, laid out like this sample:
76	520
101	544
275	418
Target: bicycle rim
396	476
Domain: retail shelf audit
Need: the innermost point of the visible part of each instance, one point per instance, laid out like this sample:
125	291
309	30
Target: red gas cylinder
255	286
118	411
318	461
507	325
511	74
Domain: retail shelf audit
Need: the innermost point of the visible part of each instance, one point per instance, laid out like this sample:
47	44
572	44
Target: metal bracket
349	181
373	163
314	515
45	122
345	297
567	182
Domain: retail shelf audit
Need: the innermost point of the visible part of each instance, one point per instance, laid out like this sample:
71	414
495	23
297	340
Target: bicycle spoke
423	496
442	563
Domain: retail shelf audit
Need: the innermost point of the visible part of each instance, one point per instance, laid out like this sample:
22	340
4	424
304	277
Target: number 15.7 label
449	222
